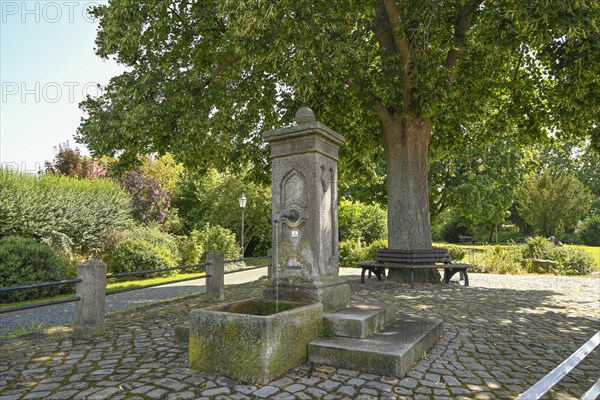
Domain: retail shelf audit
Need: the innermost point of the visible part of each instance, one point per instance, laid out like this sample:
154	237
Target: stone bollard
89	311
215	278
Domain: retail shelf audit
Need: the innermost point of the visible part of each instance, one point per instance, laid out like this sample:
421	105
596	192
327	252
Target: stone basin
250	341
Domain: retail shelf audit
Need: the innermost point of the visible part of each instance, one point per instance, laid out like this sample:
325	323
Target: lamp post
243	207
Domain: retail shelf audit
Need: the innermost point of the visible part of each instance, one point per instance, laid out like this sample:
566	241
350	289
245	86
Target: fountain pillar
305	221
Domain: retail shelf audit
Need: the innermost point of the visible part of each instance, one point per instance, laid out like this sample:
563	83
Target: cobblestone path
501	335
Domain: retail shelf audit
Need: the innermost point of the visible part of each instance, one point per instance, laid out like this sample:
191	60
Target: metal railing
120	275
154	271
39	286
549	381
37	305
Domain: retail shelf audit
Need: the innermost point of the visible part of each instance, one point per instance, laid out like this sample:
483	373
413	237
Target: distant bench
434	258
467	239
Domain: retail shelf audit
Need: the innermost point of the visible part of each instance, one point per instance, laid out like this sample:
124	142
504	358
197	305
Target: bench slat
418	266
413	259
420	254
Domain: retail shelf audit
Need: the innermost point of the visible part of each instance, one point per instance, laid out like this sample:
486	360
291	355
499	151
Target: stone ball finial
304	116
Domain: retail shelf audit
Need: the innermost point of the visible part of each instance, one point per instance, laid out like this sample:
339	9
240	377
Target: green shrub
138	255
82	209
155	236
589	231
60	243
210	239
569	238
109	243
214	199
572	261
457	253
500	260
172	223
565	260
350	254
537	247
373	248
365	221
25	261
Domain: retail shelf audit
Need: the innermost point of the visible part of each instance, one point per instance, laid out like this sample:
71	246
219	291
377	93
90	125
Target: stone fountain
258	340
305	222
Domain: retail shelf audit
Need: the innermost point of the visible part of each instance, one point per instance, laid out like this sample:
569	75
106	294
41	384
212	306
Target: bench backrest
429	256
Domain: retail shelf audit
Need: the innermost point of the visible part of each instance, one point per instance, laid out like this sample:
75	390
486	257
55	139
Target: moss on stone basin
246	341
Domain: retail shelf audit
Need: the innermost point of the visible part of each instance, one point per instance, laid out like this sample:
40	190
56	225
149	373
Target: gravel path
62	314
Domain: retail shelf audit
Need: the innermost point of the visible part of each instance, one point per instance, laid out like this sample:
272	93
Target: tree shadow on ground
521	334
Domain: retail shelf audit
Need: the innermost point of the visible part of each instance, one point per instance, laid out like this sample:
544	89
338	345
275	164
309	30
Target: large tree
206	77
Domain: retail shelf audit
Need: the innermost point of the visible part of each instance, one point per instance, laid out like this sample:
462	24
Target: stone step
359	320
391	352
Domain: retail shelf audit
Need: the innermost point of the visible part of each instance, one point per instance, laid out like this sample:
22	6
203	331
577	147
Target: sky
47	66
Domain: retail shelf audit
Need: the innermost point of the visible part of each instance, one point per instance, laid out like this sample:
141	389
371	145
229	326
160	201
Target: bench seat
435	258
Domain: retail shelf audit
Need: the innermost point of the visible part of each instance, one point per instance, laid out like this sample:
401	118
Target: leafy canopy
205	78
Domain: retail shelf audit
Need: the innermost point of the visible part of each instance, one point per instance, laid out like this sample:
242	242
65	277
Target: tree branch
214	75
383	30
384	115
403	49
382	112
463	24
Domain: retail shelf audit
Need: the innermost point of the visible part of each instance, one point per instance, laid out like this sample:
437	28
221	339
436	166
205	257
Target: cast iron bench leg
412	278
450	272
362	275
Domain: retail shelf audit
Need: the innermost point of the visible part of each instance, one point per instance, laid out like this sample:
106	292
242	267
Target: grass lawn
112	286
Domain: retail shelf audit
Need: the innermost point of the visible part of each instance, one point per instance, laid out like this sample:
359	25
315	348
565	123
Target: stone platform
368	337
391	352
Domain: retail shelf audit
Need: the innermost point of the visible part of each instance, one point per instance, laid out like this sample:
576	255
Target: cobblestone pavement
501	335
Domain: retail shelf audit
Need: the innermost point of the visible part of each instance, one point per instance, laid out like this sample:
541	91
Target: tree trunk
406	142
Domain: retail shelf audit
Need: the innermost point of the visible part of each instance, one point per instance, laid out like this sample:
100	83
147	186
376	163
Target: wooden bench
436	257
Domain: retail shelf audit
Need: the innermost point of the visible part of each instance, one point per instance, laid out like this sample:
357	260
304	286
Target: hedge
42	207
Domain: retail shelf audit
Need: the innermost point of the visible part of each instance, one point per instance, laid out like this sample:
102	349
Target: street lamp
243	207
